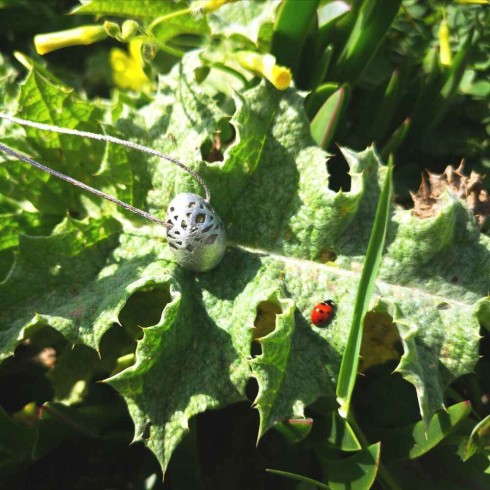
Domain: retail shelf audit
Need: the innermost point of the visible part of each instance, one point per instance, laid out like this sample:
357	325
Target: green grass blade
387	108
350	359
320	69
329	16
438	91
452	81
396	139
294	476
325	122
372	22
290	30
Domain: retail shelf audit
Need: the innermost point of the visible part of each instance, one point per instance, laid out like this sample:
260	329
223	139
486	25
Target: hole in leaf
380	341
192	204
172	209
210	239
144	308
327	256
205	230
212	150
24	377
252	389
171	245
147	431
183	224
177	232
190	248
265	320
443	306
338	170
200	218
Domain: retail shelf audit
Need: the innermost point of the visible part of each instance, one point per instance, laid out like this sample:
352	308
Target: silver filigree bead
196	235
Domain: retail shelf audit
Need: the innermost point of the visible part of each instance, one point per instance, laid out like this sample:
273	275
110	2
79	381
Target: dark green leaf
413	441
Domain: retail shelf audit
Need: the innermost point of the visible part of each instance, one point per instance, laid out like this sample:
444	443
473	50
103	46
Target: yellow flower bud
265	65
45	43
444	46
206	6
129	30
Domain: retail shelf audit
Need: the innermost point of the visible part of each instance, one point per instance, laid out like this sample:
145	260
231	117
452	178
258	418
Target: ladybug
323	313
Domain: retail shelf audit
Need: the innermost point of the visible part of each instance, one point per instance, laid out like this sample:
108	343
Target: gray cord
109	139
86	187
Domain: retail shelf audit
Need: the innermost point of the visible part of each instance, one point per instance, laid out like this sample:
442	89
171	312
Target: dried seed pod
196	235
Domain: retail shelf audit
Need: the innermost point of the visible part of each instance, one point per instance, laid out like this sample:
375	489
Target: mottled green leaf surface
283	222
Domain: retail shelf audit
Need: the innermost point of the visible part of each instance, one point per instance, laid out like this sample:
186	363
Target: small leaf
318	97
479	438
413	441
325	122
340	434
294	430
16	442
357	472
129	8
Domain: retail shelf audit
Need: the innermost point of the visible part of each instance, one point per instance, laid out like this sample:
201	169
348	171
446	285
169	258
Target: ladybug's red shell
323	313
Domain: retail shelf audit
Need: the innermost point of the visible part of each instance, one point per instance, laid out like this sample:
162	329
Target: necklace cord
109	139
83	186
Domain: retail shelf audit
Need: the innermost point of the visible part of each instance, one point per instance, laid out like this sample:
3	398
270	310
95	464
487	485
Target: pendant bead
196	234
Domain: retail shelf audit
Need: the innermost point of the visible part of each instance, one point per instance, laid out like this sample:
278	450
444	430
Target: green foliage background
105	341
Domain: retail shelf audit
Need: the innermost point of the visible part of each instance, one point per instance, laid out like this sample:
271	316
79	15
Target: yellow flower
127	70
444	46
265	65
45	43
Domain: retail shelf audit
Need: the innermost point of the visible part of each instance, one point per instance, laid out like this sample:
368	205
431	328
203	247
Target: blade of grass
319	71
387	109
294	476
290	30
350	359
372	23
329	17
396	139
